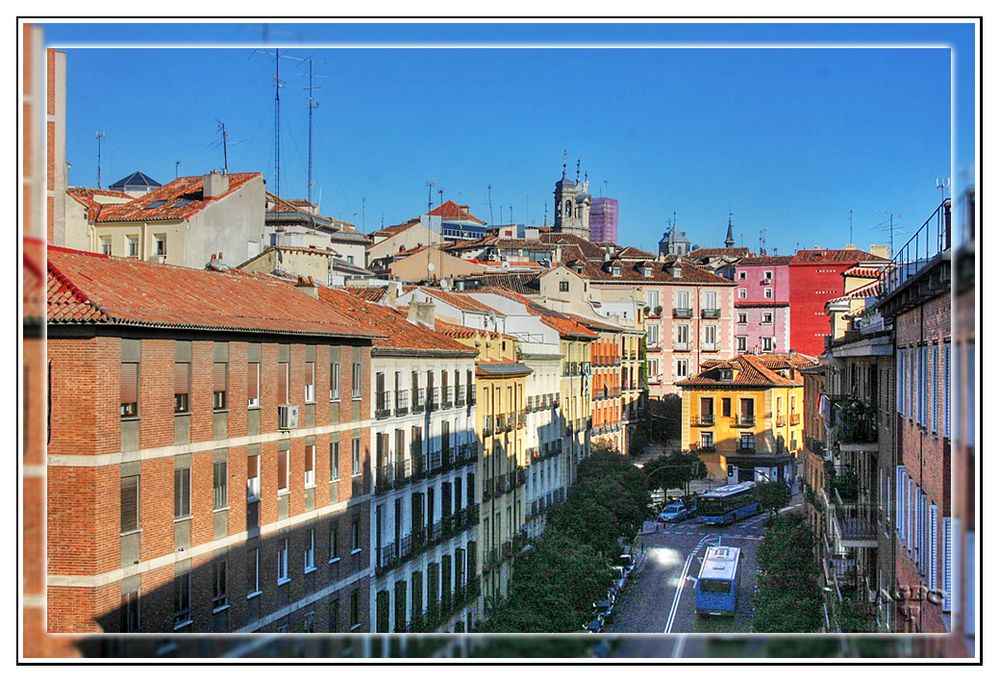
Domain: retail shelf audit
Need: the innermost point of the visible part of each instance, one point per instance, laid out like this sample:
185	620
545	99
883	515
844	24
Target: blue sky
789	138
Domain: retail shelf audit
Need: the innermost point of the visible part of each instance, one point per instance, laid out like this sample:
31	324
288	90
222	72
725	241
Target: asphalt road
660	598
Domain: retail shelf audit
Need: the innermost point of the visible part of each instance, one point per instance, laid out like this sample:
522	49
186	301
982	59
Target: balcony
459	397
707	448
854	426
779	421
419	399
487	427
682	312
470	396
403	473
709	346
794	418
744	421
682	346
448	399
382	409
402	402
487	490
435	400
384	477
856	525
710	313
703	421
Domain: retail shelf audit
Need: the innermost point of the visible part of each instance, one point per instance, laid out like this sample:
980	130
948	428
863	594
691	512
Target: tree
788	597
674	471
773	495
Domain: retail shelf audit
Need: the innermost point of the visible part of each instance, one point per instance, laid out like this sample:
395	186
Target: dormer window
647	271
616	271
725	374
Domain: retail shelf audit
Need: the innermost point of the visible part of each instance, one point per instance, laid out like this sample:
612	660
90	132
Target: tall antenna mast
100	138
278	56
225	147
362	214
177	169
313	104
850	217
430	189
489	198
942	184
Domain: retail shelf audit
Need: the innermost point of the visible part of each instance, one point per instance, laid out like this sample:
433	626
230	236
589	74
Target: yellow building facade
744	416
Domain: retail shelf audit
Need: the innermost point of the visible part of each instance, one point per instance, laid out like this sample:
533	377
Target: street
661	596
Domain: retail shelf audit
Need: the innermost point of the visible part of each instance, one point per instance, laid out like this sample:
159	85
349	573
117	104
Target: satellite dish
431	268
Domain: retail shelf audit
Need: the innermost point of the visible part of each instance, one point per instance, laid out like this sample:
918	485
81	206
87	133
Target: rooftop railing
930	239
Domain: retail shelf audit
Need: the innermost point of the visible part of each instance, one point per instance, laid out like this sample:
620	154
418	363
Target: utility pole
278	84
489	198
100	138
312	104
225	148
177	166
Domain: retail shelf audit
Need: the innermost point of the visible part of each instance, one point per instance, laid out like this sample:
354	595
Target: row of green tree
554	584
789	598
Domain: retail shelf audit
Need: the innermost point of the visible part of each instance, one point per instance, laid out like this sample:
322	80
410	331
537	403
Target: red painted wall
811	285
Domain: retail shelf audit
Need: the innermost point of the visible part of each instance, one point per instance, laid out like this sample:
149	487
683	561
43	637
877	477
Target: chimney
216	185
307	286
391	292
675	270
421	313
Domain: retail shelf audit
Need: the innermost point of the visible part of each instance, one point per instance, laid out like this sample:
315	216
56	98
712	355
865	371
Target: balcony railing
930	239
709	346
402	402
435	399
447	399
703	420
707	448
857	524
854	425
470	396
682	312
779	420
744	421
419	399
382	409
710	313
682	346
794	419
459	396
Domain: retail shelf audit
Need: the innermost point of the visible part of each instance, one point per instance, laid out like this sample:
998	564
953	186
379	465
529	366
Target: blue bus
718	582
727	504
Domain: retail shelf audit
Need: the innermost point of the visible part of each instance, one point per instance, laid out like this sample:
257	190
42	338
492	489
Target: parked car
676	512
596	624
605	606
626	562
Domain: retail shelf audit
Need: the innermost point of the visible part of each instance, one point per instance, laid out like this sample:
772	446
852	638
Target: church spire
729	233
565	157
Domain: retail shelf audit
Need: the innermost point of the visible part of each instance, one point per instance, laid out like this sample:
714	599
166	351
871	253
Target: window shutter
253	383
932	567
182	378
283	469
130	383
219	376
129	503
946	563
283	382
900	473
253	466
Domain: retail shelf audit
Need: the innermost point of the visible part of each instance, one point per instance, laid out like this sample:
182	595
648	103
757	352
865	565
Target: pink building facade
762	318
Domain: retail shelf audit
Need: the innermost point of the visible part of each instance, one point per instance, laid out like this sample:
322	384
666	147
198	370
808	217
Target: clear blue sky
787	138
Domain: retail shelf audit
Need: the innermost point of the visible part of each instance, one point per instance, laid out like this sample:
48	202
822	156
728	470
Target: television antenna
100	139
313	104
943	184
278	85
430	188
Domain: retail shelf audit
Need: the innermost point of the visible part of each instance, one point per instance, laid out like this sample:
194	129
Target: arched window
569	209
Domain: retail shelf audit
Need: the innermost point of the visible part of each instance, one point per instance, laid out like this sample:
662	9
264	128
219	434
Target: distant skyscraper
604	220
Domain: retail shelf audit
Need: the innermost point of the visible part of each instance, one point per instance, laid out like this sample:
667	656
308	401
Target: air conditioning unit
288	416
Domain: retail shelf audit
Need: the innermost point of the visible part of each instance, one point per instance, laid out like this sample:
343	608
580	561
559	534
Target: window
334	616
711	300
219	379
355	609
253	478
682	335
727	407
710	336
253	572
922	385
133	246
283	382
335	381
160	244
946	416
767	343
564	285
768	293
707	440
616	271
253	385
106	246
746	408
334	545
283	561
767	318
130	390
334	461
310	466
182	492
220	485
741	293
741	318
683	299
356	381
129	611
220	599
310	382
182	387
309	554
682	368
652	336
129	500
743	275
741	343
768	274
282	472
182	600
356	457
652	300
934	388
355	533
747	441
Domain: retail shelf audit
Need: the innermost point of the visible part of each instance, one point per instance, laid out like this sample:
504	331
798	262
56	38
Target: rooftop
748	371
454	212
86	288
853	256
177	200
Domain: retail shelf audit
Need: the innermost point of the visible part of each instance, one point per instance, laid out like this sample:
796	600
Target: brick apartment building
182	494
815	276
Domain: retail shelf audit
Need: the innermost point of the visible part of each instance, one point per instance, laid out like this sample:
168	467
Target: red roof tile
563	323
854	256
92	288
88	195
715	252
173	195
863	272
372	294
764	260
398	333
462	302
749	370
395	229
452	211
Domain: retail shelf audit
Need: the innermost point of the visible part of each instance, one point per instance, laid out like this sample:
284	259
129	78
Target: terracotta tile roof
399	334
716	252
88	195
588	248
777	361
181	199
764	260
749	371
562	323
33	281
92	288
870	290
452	211
462	302
455	331
372	294
395	229
595	325
855	256
864	272
662	272
635	252
522	283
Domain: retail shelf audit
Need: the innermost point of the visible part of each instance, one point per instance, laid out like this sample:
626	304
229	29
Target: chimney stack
216	185
307	286
421	313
